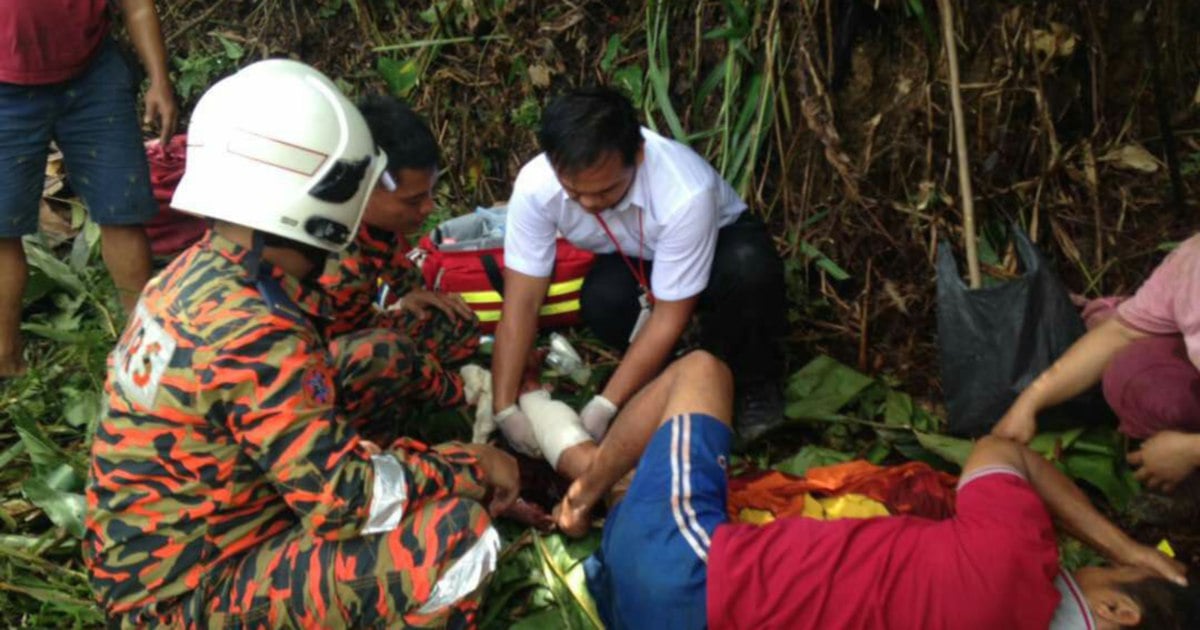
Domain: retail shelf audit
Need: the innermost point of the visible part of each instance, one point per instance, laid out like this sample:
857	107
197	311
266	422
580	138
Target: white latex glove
518	431
477	389
597	415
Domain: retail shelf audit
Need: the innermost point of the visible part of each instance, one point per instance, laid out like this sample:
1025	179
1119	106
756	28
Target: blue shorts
93	119
652	565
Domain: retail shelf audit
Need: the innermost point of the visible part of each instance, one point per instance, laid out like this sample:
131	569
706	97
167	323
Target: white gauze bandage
555	425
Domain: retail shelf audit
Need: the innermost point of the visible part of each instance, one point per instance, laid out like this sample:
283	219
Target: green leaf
821	388
83	408
879	452
233	50
45	454
629	79
952	449
53	268
824	262
898	409
401	77
53	333
548	618
811	456
65	509
1048	444
566	579
1101	473
610	52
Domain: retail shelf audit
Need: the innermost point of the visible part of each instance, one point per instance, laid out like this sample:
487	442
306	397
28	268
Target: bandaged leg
556	426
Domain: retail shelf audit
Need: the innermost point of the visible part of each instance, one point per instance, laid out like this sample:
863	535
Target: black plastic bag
994	341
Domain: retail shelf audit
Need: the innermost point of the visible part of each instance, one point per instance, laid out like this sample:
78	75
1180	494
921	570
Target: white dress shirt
682	199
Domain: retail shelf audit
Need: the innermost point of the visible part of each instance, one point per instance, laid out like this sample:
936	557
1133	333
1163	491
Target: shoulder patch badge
142	356
318	386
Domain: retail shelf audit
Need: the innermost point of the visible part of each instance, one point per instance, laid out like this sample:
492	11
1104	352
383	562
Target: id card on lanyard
645	295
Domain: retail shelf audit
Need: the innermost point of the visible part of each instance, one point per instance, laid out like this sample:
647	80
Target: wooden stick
960	145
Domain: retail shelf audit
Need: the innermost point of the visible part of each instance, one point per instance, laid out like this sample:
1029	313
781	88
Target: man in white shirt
672	238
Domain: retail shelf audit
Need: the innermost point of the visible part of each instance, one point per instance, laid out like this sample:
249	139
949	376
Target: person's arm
1069	506
285	420
683	260
1076	370
650	349
141	20
523	297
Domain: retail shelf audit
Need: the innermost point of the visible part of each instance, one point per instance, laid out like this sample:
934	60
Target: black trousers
742	312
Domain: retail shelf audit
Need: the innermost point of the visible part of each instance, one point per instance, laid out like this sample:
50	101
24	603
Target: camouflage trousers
426	573
382	372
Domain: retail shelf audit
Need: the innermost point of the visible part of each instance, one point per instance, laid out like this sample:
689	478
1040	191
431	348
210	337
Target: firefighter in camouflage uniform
228	487
374	286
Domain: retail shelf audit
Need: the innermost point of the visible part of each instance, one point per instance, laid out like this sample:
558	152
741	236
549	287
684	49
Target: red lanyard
639	274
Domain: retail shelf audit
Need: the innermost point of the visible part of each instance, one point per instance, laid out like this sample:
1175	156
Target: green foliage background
857	181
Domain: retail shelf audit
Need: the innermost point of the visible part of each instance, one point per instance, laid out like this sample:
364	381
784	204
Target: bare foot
574	514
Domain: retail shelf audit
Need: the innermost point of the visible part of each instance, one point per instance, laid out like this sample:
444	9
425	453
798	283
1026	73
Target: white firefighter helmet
278	148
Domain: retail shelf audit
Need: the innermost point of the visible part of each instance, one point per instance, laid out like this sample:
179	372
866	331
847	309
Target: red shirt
49	41
992	565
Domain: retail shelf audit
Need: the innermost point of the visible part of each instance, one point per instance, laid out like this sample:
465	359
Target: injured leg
697	383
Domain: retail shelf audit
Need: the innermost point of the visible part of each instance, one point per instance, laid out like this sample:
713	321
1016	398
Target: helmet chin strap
315	256
254	258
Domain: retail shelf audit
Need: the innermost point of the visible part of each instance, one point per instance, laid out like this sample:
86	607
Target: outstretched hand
419	301
501	475
1156	562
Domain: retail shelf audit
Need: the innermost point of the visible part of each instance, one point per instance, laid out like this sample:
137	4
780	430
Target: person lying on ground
673	239
993	565
1147	358
227	486
62	79
425	332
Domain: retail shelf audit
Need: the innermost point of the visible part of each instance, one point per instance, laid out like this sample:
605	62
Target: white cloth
477	389
682	199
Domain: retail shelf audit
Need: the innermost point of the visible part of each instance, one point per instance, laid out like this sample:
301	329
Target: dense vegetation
831	117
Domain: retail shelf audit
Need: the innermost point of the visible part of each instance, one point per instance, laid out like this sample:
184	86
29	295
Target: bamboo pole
960	145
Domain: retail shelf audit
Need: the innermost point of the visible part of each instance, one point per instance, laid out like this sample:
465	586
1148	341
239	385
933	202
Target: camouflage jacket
354	279
222	430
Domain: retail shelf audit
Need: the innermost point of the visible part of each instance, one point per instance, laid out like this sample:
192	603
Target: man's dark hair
400	132
1165	605
582	125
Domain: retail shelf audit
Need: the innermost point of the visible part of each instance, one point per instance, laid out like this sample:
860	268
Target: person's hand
596	416
517	429
501	474
419	301
1018	424
1155	562
1166	459
161	108
573	515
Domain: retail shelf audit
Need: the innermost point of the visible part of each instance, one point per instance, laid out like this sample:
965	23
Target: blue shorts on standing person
652	565
93	120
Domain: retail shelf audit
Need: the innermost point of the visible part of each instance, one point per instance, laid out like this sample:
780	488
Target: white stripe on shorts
678	480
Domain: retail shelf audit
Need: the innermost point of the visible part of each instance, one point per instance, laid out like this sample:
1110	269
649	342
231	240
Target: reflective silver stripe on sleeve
467	574
389	496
